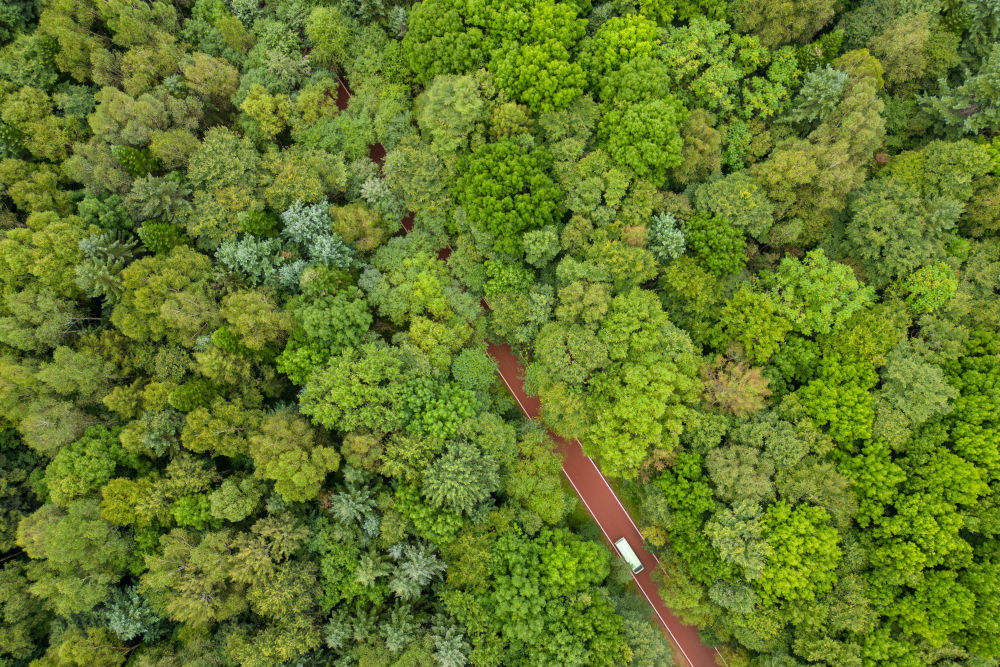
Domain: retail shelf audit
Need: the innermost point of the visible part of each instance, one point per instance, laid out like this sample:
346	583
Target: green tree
970	106
805	191
449	109
805	553
20	466
619	40
36	319
506	190
840	398
166	295
78	647
817	294
912	392
45	250
290	452
236	498
83	466
362	388
226	172
737	535
129	616
715	243
24	617
790	21
619	387
445	37
16	16
725	73
665	239
188	578
645	136
534	478
255	320
326	323
329	33
907	219
548	591
702	151
928	288
895	231
221	427
76	556
541	75
462	478
751	319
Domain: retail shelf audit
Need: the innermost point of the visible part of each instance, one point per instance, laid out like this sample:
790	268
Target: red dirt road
607	511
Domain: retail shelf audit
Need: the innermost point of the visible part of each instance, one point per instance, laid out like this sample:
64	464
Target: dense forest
749	251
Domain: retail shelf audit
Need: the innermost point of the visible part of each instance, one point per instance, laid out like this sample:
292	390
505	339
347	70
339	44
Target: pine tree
128	615
820	93
665	240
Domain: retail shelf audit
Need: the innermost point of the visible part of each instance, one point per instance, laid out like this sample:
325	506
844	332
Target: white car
628	555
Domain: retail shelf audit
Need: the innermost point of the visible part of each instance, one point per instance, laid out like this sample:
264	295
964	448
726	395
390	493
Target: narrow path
607	511
586	479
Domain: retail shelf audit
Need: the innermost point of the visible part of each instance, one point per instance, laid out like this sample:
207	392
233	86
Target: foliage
805	190
288	452
725	73
256	259
665	239
715	243
538	593
506	189
783	22
816	294
620	387
645	136
923	205
821	91
83	466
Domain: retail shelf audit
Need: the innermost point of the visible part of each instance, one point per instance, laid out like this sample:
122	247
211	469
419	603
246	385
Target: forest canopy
252	254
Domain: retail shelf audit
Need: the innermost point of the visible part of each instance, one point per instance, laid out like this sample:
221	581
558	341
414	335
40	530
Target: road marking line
598	470
513	393
634	578
617	500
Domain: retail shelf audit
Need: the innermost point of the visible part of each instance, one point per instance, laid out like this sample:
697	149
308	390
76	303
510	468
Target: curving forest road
586	479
